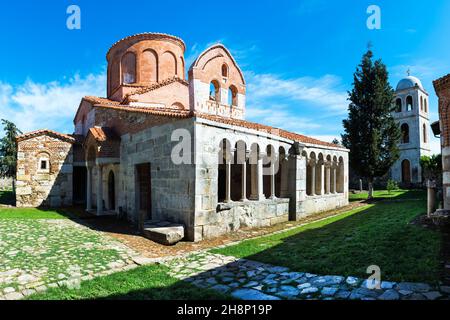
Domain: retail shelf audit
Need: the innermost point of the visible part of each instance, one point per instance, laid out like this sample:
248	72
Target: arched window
409	103
421	103
398	105
425	105
406	171
129	68
214	91
149	66
224	71
232	96
405	133
424	129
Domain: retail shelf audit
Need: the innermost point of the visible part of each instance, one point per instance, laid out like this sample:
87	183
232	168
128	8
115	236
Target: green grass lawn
376	234
383	194
142	283
31	213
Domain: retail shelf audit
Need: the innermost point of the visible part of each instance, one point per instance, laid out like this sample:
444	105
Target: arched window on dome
405	133
129	68
398	105
214	91
232	96
424	129
409	103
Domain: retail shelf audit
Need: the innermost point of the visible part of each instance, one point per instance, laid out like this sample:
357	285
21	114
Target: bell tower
412	115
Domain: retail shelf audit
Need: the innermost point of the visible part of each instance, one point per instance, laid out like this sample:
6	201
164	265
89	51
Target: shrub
391	185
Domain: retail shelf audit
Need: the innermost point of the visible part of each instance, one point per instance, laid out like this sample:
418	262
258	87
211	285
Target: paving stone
414	296
342	294
251	294
304	285
445	289
387	285
329	291
309	290
14	296
432	295
288	291
389	294
221	288
251	284
416	287
360	293
352	281
9	290
405	292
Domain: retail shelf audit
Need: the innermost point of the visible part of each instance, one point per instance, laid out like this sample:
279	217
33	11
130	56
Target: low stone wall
315	204
231	217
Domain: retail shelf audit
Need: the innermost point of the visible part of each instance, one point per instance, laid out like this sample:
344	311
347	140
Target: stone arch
128	66
168	65
406	171
398	105
149	66
224	70
214	91
409	103
232	96
177	105
404	128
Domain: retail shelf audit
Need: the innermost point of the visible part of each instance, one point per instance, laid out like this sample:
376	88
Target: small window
43	164
405	133
224	71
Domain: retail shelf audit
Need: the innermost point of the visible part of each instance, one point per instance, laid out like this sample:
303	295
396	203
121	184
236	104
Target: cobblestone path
42	253
245	279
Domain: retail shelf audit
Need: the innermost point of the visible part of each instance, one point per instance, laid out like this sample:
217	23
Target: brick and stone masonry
120	155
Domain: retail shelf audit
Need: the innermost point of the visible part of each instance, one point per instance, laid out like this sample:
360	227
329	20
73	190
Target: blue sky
298	56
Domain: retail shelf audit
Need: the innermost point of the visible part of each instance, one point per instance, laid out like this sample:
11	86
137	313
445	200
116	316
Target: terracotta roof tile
102	134
48	132
99	100
241	123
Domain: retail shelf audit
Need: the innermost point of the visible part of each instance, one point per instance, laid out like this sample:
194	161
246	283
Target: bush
391	185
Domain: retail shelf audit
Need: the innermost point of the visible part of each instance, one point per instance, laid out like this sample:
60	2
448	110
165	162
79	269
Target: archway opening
111	191
406	172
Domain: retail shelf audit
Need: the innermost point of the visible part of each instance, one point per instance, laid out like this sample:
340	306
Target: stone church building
413	116
164	148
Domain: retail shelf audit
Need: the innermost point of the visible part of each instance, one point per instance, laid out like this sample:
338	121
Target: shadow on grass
142	283
346	245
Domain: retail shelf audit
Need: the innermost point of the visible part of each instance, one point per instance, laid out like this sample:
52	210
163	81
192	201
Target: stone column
333	181
259	175
89	189
328	179
272	180
100	190
244	182
431	197
322	177
313	178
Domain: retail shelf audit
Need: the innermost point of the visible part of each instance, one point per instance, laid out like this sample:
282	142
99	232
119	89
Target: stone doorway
79	185
111	191
406	172
144	192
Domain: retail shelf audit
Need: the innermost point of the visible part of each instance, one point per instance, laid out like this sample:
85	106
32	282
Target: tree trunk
370	196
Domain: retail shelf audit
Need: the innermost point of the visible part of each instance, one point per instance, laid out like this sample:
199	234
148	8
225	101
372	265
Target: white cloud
325	91
49	105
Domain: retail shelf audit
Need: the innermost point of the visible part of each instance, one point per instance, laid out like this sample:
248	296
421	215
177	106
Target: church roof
409	82
47	132
173	113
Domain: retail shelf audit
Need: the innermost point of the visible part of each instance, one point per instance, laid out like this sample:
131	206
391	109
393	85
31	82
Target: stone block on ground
164	232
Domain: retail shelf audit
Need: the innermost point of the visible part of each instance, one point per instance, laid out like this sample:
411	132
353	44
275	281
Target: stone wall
172	184
5	183
44	187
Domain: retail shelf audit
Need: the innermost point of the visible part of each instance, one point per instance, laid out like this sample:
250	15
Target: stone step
163	232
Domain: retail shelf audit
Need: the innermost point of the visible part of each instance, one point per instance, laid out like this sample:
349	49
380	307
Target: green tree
371	132
431	167
8	151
